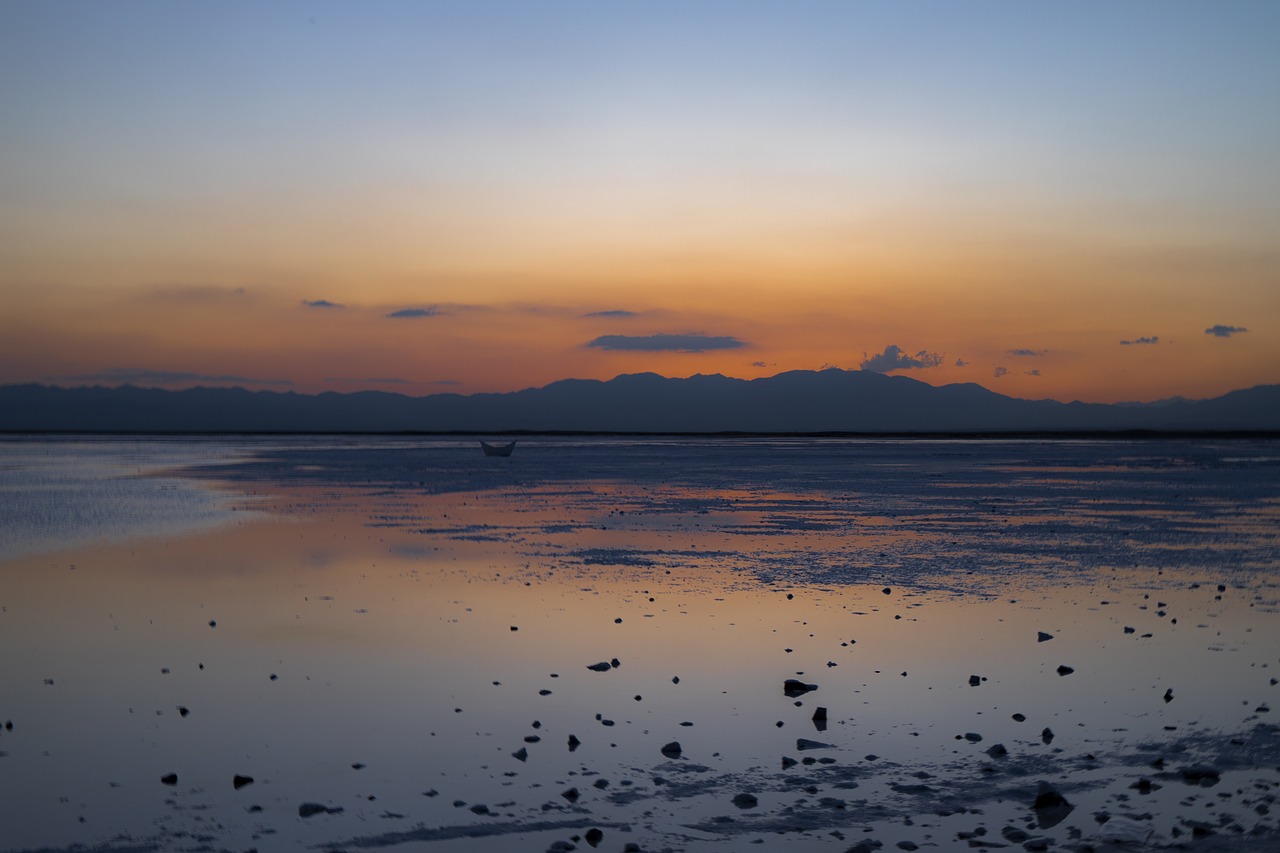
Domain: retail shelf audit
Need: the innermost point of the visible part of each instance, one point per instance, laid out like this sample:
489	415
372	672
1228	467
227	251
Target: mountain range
800	401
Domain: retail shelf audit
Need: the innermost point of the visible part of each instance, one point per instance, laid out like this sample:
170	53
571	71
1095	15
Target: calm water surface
400	632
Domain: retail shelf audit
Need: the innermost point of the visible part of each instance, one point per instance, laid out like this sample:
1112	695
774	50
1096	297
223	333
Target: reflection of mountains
799	401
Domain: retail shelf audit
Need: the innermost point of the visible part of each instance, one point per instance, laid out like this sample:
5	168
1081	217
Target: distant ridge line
827	403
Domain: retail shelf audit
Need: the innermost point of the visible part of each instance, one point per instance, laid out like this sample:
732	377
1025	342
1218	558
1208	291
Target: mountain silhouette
799	401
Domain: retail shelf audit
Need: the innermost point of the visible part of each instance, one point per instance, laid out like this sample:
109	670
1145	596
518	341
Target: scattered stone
544	692
746	801
574	743
357	766
1168	695
515	627
532	738
1129	630
886	590
793	688
238	781
169	779
975	680
615	663
675	679
1019	718
805	743
788	763
213	623
594	835
672	750
1065	670
183	710
973	737
1200	774
311	809
602	666
521	754
908	845
997	750
1051	808
1145	786
480	809
571	795
1046	735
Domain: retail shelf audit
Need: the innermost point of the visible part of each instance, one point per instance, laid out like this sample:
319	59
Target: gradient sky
1071	200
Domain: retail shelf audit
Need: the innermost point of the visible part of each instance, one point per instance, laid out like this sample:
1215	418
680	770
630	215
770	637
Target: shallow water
419	610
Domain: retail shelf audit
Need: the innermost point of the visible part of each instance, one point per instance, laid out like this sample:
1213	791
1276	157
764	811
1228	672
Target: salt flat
393	639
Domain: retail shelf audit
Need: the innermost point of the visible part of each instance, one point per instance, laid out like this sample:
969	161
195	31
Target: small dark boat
497	449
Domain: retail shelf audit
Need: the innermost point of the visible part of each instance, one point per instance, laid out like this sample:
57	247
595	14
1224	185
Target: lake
686	644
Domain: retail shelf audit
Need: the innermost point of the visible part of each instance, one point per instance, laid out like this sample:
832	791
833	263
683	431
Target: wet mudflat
673	645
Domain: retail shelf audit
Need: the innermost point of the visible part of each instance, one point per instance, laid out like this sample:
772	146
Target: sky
1067	200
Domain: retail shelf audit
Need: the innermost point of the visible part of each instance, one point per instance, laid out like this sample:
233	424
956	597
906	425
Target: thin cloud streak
665	343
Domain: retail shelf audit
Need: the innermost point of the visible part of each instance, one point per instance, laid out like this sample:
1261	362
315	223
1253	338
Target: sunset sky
1070	200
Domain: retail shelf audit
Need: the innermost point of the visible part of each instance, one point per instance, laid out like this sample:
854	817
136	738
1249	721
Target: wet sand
399	644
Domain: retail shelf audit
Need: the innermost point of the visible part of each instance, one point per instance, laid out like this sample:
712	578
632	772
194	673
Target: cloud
142	376
446	382
1224	331
960	362
893	358
1028	353
615	313
1001	371
321	303
665	343
405	313
1154	339
368	380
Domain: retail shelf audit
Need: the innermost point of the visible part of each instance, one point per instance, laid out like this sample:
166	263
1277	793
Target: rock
602	666
560	847
865	847
574	743
515	627
975	680
1200	774
213	623
1145	786
973	737
1041	637
183	710
1065	670
311	809
675	679
1019	718
1168	695
819	714
239	781
169	779
908	845
788	763
746	801
805	743
593	835
521	754
1046	735
886	590
357	766
1051	808
997	751
532	738
1129	630
615	663
480	809
672	750
571	795
793	688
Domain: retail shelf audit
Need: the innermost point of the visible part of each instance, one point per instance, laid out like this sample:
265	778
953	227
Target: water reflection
368	642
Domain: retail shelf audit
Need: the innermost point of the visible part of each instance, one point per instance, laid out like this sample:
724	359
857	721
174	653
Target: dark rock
793	688
820	713
574	743
997	751
615	663
1046	735
973	737
593	835
480	809
746	801
532	738
1041	637
560	847
183	710
1051	808
788	763
602	666
357	766
1168	695
908	845
1065	670
600	783
1129	630
804	743
886	590
521	754
1012	833
672	750
974	680
239	781
865	847
1019	718
169	778
571	795
311	809
1145	786
213	623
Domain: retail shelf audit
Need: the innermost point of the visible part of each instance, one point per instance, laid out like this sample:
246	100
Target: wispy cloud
665	343
1154	339
893	358
375	380
321	303
960	362
449	382
1000	372
1224	331
1035	372
142	376
409	313
195	292
614	313
1028	353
